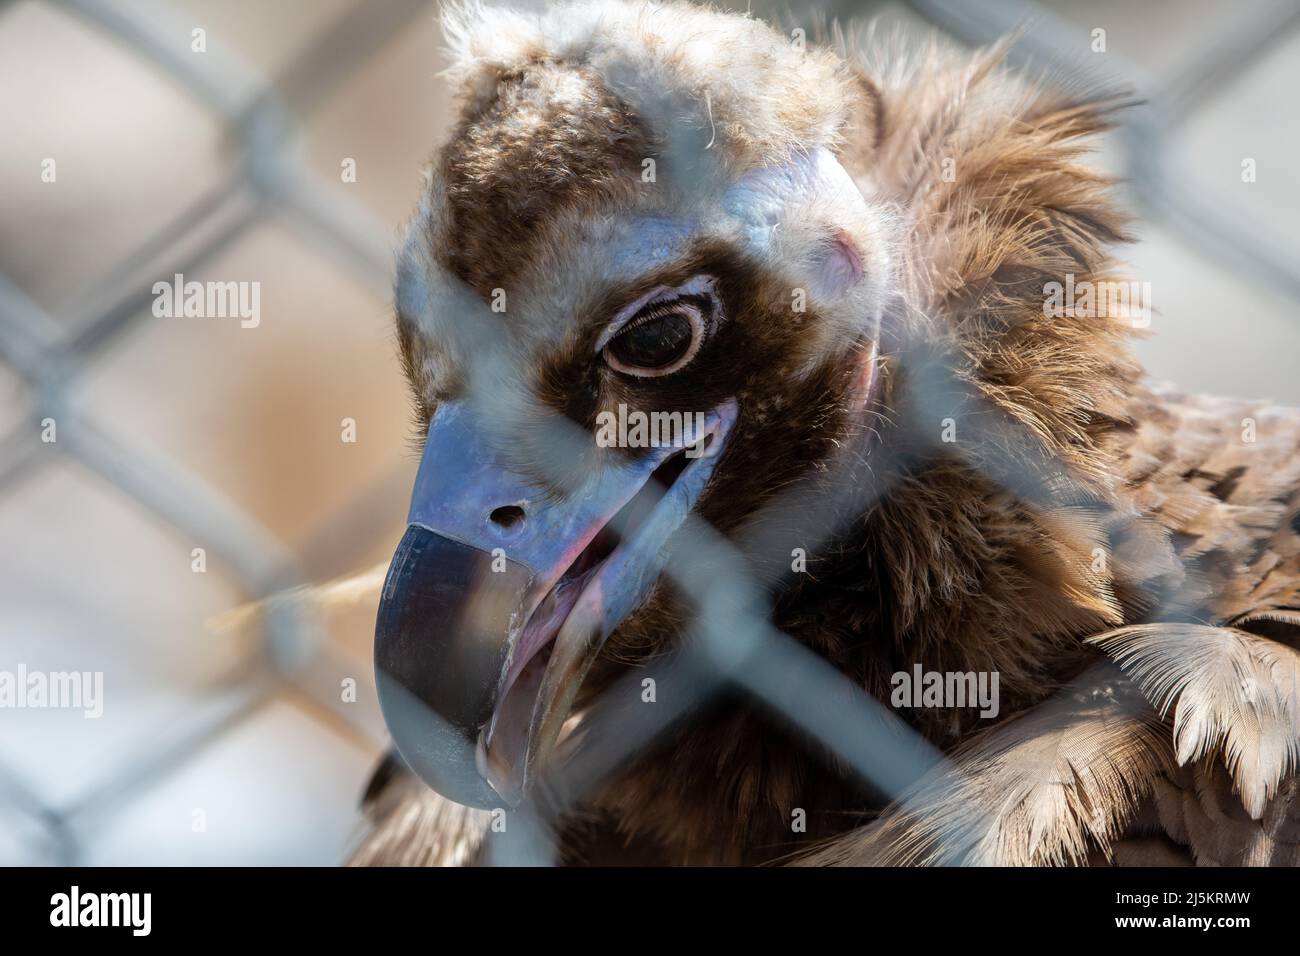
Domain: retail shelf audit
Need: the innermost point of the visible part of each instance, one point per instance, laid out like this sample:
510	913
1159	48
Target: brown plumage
1125	557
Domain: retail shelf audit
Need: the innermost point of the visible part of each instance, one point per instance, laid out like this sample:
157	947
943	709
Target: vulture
869	293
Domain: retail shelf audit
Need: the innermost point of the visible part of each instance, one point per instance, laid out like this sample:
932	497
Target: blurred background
198	466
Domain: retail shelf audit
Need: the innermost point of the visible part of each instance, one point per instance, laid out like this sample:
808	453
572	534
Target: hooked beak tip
480	647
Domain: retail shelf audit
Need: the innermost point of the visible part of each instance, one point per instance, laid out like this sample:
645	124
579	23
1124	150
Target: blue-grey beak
500	596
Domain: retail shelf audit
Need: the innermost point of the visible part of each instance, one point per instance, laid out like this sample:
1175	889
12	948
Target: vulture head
818	285
642	286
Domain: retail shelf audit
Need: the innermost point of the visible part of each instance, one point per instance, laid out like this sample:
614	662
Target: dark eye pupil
655	342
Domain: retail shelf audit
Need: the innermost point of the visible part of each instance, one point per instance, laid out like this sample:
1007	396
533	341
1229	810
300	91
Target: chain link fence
51	354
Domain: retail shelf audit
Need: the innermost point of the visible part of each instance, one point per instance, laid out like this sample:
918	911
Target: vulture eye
660	340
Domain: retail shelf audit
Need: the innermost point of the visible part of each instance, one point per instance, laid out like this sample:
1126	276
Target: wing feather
1050	786
1231	692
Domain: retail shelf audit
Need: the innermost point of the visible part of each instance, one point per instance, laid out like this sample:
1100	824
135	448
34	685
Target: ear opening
837	264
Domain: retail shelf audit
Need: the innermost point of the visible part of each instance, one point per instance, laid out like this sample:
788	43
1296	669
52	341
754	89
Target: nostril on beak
507	518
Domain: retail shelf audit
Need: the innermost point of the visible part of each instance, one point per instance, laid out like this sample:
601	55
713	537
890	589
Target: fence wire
733	642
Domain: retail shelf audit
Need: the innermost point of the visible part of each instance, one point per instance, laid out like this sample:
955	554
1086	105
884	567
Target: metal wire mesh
735	642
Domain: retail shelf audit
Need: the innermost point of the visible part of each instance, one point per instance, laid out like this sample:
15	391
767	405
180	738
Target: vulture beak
500	595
